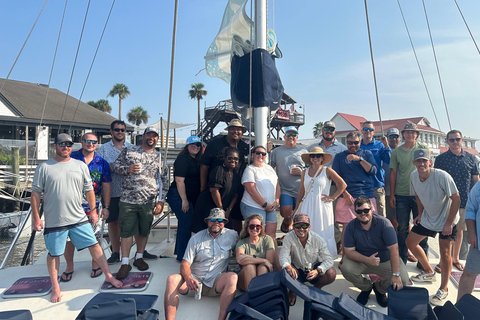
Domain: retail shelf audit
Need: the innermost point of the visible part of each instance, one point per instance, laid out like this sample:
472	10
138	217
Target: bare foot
56	295
116	283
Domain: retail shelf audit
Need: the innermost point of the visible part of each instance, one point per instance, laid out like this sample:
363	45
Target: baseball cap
63	137
291	129
393	131
409	126
301	217
217	213
421	154
193	139
329	124
151	129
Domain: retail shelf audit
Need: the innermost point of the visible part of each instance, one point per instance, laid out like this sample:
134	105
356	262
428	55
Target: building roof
26	101
469	150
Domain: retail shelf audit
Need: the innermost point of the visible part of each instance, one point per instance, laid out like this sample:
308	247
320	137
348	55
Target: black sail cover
267	88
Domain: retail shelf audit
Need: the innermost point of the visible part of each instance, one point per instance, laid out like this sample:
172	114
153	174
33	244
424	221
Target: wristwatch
265	204
361	159
106	207
396	274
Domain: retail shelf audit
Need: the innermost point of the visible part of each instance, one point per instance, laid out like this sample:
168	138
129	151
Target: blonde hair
244	233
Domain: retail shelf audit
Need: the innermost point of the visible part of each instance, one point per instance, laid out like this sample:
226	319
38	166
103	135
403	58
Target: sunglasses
393	136
217	220
301	226
254	226
360	211
196	144
264	154
329	129
65	144
119	130
368	129
87	141
316	155
232	158
353	142
455	139
293	135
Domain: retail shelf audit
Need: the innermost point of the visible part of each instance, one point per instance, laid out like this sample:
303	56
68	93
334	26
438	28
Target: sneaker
424	277
114	258
381	297
149	256
140	264
363	296
439	298
123	271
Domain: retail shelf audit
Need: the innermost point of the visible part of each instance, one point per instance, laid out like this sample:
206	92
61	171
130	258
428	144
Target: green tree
317	129
137	115
197	92
102	105
122	91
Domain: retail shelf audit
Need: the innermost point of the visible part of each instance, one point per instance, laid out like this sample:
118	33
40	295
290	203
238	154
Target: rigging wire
73	68
93	61
24	43
436	64
418	64
373	67
466	25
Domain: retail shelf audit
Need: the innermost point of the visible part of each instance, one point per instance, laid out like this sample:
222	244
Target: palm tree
122	91
137	115
317	129
197	92
102	105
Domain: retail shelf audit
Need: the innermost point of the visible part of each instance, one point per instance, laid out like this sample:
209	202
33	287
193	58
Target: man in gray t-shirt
288	163
62	180
438	201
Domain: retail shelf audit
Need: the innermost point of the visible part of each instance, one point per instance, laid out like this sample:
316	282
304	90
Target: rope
373	67
466	25
436	64
24	43
93	61
418	64
73	68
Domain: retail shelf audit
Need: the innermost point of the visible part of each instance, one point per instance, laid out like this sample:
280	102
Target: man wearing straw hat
203	269
288	163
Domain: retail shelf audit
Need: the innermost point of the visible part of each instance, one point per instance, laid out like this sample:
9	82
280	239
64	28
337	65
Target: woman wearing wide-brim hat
317	203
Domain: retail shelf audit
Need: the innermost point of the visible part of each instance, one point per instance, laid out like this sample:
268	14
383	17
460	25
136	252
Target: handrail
15	239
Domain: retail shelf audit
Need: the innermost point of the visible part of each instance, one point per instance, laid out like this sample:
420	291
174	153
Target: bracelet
95	208
106	207
228	209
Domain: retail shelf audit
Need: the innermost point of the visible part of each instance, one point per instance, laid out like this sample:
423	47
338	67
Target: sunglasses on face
232	158
316	155
65	144
87	141
254	226
329	129
196	144
301	226
393	136
350	143
293	135
455	139
368	129
217	220
119	130
360	211
264	154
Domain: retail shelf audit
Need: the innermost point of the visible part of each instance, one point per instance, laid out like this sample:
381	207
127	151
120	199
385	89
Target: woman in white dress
318	205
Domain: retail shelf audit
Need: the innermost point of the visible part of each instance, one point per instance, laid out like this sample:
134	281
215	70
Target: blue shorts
287	200
249	210
82	237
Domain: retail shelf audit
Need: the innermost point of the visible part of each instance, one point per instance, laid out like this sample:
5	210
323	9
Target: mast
261	113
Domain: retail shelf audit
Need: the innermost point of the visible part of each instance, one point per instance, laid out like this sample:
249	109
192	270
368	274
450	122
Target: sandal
94	273
291	301
438	269
458	265
68	276
283	229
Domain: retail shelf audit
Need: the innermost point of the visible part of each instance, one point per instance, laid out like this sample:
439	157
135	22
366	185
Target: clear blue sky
325	65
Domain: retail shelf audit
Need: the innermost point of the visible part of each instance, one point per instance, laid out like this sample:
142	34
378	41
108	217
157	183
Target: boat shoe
140	264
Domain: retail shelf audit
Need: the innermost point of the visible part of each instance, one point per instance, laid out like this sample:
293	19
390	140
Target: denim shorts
287	200
82	237
249	210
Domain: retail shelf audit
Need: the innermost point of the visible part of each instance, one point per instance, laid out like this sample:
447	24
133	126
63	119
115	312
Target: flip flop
95	275
438	269
458	265
68	276
283	229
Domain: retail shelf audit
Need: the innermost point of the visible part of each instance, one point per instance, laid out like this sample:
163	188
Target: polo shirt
334	148
381	155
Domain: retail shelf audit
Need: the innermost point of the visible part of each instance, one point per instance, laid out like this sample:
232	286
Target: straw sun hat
316	150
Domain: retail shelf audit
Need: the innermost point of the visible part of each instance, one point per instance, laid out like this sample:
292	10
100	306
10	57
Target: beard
328	139
364	222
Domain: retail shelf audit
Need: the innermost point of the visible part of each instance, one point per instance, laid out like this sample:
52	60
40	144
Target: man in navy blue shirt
381	152
371	247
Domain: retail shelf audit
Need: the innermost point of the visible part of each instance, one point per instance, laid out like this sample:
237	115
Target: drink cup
198	294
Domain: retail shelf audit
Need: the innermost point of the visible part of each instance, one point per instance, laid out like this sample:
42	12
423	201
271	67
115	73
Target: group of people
371	188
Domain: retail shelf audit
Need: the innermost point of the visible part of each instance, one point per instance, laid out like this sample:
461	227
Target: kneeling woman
255	251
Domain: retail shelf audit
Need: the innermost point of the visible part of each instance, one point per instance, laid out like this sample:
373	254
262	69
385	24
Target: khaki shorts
461	222
380	199
135	219
207	291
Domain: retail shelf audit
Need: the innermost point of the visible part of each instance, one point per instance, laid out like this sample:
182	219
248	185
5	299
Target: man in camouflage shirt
143	191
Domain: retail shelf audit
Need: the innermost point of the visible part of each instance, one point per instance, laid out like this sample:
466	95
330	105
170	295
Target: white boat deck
77	292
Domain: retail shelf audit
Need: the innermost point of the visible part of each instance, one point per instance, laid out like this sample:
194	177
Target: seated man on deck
371	246
203	269
305	256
